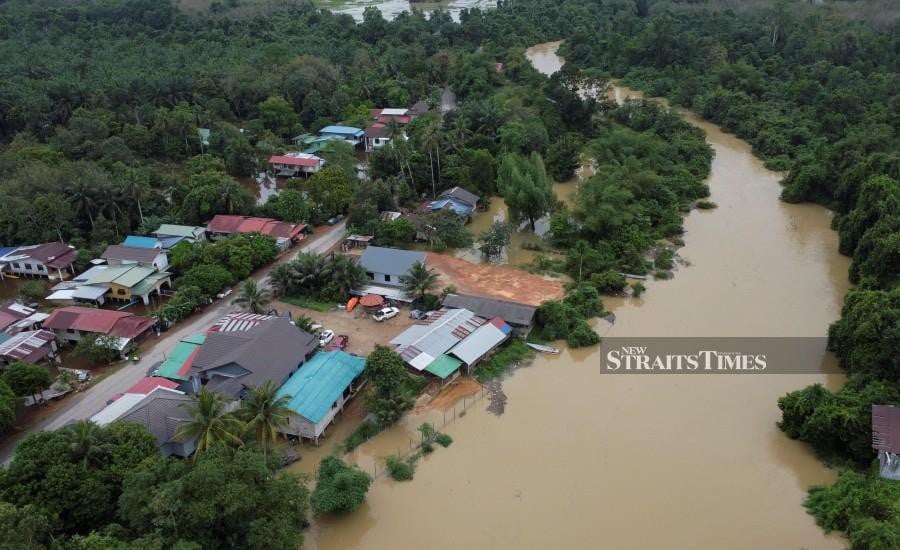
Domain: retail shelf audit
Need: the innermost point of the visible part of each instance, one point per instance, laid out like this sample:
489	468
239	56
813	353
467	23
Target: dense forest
100	103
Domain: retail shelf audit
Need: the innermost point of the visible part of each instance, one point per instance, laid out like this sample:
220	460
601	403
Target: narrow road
88	403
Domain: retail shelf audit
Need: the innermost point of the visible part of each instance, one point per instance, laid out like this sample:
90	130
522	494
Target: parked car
339	343
325	337
385	314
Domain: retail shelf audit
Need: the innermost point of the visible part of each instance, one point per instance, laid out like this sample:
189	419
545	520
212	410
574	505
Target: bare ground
493	281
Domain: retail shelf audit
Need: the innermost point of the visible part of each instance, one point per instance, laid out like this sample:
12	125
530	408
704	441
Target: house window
387	278
70	331
370	275
17	266
28	267
41	267
120	291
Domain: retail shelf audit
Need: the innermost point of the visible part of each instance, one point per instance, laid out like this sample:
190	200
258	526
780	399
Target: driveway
88	403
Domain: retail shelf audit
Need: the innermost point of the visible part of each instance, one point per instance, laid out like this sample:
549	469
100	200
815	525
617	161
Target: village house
16	317
519	316
189	233
52	260
377	134
160	243
33	346
162	411
295	163
385	266
118	254
127	282
319	390
349	134
73	323
457	199
230	362
285	234
448	339
177	362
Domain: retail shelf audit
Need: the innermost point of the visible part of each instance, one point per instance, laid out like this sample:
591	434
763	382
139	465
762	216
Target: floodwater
581	459
392	8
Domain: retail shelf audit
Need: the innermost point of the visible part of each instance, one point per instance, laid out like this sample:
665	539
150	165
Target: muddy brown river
582	459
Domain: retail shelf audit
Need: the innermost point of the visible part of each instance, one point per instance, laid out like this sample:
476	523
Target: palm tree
82	199
419	280
311	271
304	323
265	412
85	441
135	187
347	274
253	297
281	278
210	423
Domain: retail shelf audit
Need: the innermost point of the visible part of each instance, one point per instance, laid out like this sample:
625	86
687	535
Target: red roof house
223	225
69	323
150	383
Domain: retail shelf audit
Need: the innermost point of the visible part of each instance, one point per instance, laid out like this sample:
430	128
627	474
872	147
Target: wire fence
449	416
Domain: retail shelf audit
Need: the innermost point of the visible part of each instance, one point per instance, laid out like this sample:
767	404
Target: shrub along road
85	405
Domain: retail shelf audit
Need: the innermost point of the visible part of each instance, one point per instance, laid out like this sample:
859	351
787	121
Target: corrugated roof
88	319
481	341
136	241
435	335
130	253
222	223
269	351
149	283
123	275
342	130
320	382
117	408
31	346
149	383
172	230
513	313
5	250
391	261
444	366
461	194
171	367
162	411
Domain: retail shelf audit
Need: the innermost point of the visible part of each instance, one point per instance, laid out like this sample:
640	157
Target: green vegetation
7	407
393	389
265	413
317	280
33	290
419	282
340	488
512	352
97	349
26	379
308	303
365	431
253	298
706	205
400	469
568	319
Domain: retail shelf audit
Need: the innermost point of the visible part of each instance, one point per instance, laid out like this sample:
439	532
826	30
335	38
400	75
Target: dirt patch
449	395
364	332
494	281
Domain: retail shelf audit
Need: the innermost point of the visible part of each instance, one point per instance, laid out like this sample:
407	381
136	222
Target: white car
325	337
385	313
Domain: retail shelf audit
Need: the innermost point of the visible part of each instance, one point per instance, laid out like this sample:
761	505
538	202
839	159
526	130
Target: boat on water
542	348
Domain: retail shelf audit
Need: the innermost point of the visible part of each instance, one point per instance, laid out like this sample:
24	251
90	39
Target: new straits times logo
777	355
637	358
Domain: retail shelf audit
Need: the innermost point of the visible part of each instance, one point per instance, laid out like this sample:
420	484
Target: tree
494	239
210	279
219	500
85	440
331	188
23	528
210	423
27	379
347	275
281	279
391	395
304	323
7	407
278	116
97	348
252	297
526	188
340	488
265	413
419	280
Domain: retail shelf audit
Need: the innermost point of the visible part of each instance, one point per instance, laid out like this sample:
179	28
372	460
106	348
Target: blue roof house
347	133
319	390
142	242
457	199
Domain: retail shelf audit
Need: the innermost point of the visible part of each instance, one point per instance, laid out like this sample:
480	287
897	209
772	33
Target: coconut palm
265	412
135	186
85	441
311	271
419	280
253	297
210	423
347	274
281	278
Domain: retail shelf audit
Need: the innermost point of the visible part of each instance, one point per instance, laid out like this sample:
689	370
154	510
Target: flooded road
582	459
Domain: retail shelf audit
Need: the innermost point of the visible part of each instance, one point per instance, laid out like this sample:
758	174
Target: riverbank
630	450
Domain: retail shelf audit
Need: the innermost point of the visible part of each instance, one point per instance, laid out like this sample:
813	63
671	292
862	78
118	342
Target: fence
449	417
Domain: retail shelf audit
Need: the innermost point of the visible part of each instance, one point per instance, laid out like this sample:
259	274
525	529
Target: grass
360	435
498	363
308	303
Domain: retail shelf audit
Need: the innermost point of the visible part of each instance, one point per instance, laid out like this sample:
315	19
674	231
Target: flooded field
582	459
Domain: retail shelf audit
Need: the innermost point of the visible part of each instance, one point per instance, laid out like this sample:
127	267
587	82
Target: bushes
7	407
608	282
443	440
561	320
365	431
340	488
512	352
98	349
210	279
400	469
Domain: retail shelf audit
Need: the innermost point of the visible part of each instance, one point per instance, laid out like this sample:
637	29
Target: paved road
85	405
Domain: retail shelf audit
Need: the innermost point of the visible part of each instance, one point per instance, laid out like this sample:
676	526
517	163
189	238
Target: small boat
352	303
542	348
